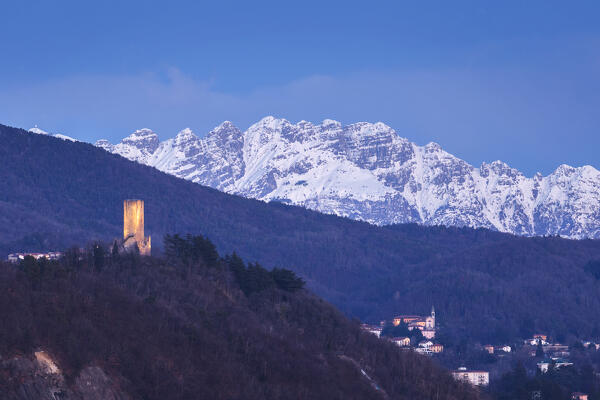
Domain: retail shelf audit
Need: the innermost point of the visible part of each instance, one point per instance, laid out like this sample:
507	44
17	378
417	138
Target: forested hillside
486	286
193	325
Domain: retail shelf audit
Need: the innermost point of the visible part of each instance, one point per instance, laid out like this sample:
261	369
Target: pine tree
98	256
539	352
286	279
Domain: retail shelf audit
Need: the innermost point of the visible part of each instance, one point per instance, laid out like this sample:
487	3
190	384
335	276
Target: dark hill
181	328
485	285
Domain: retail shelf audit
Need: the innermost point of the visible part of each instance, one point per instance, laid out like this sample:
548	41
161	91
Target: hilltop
192	325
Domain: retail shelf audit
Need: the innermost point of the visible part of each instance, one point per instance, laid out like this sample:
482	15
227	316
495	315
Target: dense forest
192	325
486	286
557	384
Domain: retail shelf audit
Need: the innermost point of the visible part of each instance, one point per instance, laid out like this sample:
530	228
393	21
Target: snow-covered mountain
39	131
368	172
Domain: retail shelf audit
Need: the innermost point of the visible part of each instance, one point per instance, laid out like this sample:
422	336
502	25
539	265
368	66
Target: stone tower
133	226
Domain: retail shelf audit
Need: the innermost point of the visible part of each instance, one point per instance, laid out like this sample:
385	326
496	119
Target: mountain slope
59	193
368	172
148	328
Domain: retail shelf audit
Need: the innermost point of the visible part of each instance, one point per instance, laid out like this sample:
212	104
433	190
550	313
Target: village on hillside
418	333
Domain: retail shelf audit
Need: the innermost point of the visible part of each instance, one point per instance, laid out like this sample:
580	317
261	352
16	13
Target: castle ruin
133	227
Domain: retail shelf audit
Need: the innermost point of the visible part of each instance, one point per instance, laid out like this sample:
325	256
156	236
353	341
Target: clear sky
512	80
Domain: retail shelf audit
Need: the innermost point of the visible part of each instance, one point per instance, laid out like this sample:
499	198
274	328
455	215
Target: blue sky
517	81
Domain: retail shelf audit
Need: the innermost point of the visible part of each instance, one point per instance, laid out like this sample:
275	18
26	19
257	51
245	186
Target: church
425	324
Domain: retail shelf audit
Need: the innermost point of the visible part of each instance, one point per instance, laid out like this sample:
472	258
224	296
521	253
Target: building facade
425	324
475	378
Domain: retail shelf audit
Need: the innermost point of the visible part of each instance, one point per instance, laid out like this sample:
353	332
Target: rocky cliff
38	377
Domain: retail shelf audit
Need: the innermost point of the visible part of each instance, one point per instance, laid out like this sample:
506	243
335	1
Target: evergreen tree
32	270
287	280
98	256
115	251
539	352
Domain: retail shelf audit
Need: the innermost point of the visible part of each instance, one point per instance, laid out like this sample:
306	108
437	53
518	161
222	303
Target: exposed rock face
93	384
367	172
40	378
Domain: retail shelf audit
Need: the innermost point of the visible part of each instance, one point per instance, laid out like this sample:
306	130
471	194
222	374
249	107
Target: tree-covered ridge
556	384
486	286
182	327
251	278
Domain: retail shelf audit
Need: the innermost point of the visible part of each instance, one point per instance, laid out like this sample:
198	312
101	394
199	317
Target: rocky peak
330	123
226	140
432	147
499	168
186	136
143	139
105	144
226	125
226	130
565	170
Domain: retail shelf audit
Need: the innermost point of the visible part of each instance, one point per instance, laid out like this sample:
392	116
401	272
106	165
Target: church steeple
432	311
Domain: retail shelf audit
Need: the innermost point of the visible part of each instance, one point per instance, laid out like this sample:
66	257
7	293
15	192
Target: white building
374	329
401	341
475	378
16	257
506	349
538	339
558	363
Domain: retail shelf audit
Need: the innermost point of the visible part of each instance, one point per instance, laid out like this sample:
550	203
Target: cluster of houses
425	324
427	347
497	350
16	257
555	354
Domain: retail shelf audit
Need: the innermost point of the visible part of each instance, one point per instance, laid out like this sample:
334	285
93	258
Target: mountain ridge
366	171
61	193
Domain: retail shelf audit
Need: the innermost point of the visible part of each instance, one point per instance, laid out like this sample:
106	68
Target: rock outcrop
39	377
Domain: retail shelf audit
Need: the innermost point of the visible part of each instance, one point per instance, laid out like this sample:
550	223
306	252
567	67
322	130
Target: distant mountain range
368	172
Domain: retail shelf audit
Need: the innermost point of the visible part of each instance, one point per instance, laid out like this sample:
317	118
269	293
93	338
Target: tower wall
133	224
133	219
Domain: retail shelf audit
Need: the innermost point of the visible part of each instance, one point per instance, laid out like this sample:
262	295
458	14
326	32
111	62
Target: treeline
193	324
556	384
251	278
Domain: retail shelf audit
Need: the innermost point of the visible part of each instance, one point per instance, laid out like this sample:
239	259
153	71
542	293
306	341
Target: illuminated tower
133	226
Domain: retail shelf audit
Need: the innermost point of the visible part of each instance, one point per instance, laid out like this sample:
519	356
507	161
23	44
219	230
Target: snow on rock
367	171
39	131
